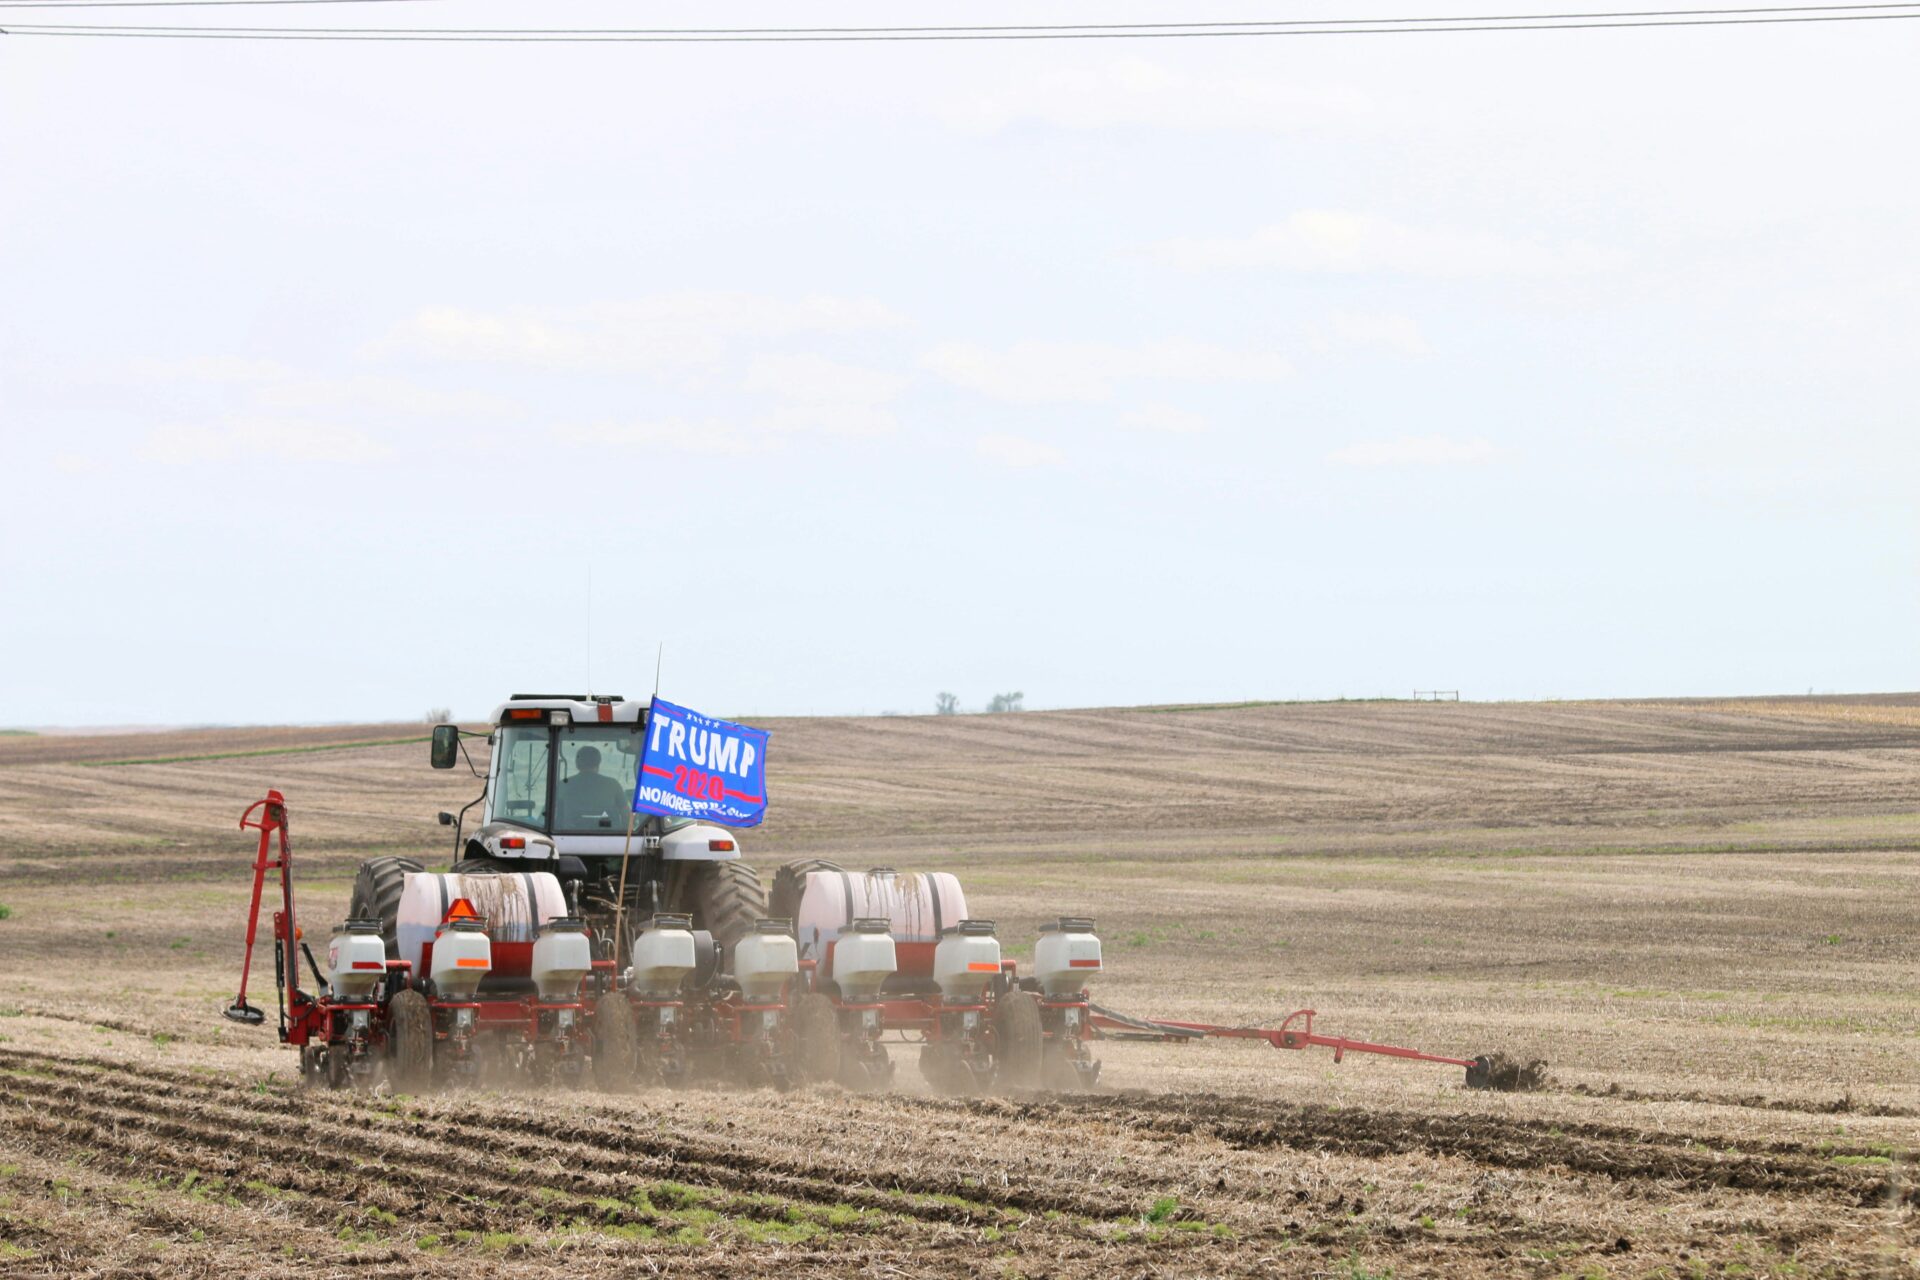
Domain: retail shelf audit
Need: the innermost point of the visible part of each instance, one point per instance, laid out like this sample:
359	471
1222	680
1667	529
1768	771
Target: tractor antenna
659	660
589	628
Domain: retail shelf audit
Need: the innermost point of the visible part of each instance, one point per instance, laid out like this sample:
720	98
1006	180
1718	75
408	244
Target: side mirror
446	819
446	746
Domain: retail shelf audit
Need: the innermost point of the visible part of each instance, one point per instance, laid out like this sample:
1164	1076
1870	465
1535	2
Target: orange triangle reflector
460	910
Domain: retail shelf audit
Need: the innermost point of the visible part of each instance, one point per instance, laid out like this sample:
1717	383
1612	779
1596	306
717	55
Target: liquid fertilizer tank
510	904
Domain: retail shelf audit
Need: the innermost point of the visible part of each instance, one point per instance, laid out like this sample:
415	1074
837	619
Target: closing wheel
615	1043
816	1030
944	1068
1018	1041
1061	1074
410	1042
376	896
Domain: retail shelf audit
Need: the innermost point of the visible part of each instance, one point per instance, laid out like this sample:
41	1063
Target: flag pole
620	898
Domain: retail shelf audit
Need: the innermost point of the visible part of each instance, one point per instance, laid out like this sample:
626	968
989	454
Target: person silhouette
590	794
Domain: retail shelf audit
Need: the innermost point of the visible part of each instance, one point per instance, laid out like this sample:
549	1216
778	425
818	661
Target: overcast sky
1535	365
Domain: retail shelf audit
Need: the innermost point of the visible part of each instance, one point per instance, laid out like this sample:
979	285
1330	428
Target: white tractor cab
558	797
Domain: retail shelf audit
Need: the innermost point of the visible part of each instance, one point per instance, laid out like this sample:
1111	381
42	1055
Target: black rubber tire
479	867
376	896
410	1042
725	899
789	882
615	1043
816	1039
1018	1041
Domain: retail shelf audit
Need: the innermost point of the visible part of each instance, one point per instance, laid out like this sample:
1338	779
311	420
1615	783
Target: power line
1133	31
170	4
1082	28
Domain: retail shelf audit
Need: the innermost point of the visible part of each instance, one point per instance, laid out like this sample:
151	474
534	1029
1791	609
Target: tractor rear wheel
480	867
816	1033
615	1043
1019	1040
789	882
376	896
410	1042
725	899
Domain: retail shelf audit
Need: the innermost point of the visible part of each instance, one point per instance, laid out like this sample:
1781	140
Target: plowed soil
1701	914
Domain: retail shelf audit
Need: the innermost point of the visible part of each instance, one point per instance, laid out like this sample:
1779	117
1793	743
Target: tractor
557	797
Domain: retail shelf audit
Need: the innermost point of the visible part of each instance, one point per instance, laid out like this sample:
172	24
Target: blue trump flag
697	767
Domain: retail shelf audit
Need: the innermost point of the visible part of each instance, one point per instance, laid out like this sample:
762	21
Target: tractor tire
410	1042
480	867
816	1034
725	899
615	1043
1019	1041
376	896
789	882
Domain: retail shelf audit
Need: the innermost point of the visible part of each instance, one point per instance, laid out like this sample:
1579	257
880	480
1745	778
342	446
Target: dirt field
1701	913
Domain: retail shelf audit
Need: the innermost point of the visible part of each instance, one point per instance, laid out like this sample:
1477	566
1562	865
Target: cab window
520	788
598	766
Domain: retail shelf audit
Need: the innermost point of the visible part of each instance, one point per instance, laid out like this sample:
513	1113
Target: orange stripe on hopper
471	962
981	966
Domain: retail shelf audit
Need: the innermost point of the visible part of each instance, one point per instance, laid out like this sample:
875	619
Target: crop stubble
1700	912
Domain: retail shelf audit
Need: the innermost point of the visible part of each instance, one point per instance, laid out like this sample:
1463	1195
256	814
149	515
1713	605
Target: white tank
662	957
462	956
507	902
1067	955
562	959
966	960
766	960
863	959
916	907
356	960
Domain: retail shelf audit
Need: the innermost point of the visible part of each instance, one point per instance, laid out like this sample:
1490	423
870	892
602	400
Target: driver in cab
590	796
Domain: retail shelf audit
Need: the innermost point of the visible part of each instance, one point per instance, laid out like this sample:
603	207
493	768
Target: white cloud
1390	330
276	387
1323	240
263	438
809	379
665	333
674	434
1061	372
852	420
1134	91
1415	451
374	394
212	369
1017	451
1165	418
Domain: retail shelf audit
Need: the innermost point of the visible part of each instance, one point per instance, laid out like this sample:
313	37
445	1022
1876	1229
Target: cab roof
582	708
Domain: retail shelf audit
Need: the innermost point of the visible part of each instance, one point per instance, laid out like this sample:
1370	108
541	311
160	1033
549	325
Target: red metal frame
1284	1036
